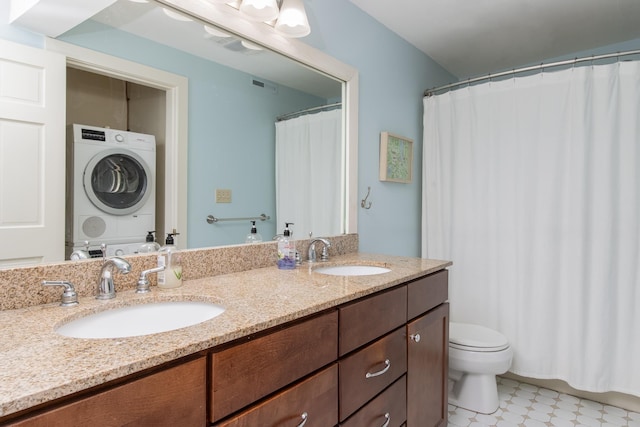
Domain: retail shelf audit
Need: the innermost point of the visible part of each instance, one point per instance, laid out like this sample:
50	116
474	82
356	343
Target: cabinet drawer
247	372
173	397
315	397
365	373
370	318
427	292
390	405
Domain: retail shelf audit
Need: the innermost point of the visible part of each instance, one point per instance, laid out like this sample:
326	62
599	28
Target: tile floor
527	405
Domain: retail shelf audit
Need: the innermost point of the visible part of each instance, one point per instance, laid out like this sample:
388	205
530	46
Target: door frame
176	124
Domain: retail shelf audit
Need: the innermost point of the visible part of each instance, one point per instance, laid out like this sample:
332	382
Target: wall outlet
223	196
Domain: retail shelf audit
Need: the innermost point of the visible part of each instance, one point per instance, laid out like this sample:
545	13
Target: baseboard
621	400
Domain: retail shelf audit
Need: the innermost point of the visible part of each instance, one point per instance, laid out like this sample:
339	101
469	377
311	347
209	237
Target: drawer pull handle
388	417
304	417
415	337
375	374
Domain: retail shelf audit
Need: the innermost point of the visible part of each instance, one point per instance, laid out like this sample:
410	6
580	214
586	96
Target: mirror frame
176	88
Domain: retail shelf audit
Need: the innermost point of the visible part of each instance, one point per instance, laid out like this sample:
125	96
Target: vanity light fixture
259	10
292	21
287	17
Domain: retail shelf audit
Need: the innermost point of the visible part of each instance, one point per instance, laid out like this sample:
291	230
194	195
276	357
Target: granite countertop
38	365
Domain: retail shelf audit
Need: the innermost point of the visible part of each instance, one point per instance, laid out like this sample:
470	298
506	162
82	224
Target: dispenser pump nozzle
169	240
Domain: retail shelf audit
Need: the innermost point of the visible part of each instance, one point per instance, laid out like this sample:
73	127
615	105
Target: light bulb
259	10
292	21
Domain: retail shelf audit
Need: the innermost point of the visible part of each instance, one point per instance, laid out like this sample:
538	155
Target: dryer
110	186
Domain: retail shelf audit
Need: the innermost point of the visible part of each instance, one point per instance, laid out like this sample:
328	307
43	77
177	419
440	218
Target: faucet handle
143	281
324	256
69	296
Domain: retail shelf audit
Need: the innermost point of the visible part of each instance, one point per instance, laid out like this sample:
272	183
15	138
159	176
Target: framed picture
396	158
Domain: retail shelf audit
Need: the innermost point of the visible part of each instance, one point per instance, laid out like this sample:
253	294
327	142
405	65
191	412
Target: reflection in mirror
242	161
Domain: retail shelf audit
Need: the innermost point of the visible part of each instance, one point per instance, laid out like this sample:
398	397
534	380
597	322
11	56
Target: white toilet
476	355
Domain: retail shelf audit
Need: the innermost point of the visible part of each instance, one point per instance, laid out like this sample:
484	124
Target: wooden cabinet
427	368
419	349
247	372
173	397
380	360
389	352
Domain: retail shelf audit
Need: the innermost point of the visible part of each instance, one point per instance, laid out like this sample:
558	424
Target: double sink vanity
360	340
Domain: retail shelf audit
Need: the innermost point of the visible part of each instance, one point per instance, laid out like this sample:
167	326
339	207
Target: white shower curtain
531	186
309	173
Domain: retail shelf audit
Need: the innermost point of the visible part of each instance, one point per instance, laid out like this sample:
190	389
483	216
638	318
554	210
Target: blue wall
393	76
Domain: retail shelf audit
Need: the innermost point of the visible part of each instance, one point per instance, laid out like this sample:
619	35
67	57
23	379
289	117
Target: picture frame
396	158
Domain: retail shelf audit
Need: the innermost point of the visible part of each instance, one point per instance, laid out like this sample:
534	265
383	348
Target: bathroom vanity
292	348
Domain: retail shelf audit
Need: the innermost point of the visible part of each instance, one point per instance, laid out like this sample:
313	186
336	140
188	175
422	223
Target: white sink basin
352	270
143	319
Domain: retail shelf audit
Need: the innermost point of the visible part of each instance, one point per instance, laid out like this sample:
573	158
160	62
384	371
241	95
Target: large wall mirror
244	83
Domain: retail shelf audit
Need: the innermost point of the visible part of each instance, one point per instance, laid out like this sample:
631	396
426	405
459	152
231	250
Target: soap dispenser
253	236
150	244
169	257
286	249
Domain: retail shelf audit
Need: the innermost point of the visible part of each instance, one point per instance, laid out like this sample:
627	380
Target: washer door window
117	181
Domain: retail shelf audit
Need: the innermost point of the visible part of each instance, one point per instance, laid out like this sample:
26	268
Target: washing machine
110	188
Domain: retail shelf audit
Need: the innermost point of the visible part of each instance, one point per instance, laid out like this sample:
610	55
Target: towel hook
363	202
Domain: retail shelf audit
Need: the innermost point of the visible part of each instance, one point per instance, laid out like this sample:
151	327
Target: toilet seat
465	336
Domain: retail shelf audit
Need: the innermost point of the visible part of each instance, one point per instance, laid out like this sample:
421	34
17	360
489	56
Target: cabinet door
427	368
173	397
312	402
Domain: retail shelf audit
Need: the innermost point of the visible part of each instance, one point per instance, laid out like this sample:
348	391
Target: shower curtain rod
307	110
431	92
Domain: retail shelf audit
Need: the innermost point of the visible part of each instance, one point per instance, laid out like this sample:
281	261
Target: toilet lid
476	337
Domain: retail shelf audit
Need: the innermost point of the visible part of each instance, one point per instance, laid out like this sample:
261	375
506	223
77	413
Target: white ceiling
475	37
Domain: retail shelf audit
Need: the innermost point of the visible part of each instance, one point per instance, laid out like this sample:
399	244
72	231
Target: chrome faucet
311	256
106	287
69	296
143	281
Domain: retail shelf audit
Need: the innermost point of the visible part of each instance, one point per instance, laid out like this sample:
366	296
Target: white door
32	155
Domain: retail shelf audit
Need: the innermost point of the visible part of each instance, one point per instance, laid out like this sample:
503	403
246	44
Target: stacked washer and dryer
111	176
